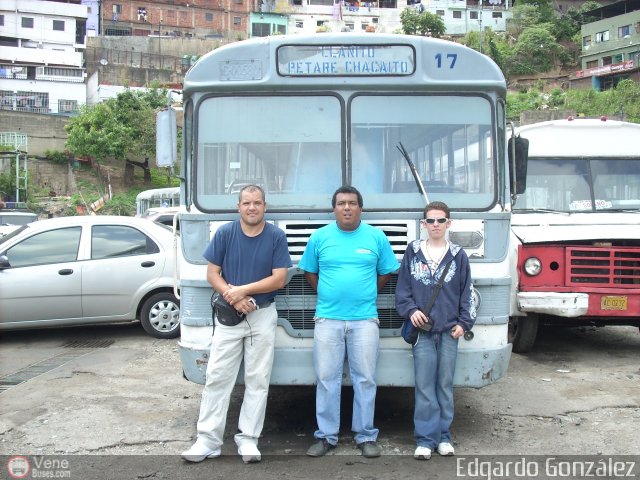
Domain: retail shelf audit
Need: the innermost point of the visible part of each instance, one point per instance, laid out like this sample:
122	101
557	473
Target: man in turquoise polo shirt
347	262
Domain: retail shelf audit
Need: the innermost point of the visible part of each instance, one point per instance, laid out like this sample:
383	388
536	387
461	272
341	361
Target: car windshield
12	234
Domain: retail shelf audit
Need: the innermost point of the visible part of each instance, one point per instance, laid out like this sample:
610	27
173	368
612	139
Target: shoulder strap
437	288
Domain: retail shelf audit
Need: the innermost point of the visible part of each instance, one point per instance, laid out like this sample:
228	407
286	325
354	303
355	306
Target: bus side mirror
166	138
518	158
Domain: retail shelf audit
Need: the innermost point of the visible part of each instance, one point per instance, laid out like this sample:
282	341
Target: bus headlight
532	266
469	240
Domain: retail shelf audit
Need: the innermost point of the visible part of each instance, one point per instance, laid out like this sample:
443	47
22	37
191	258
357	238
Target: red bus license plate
613	303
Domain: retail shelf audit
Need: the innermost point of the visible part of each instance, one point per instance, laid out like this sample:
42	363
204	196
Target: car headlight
532	266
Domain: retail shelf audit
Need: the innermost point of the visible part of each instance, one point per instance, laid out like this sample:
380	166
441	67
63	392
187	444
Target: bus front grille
617	267
296	302
399	233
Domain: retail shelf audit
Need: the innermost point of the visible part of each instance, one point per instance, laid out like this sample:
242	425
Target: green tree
425	24
522	17
122	128
535	51
491	44
567	26
544	9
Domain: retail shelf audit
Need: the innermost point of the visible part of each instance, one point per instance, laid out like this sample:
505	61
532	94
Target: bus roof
352	60
158	193
582	138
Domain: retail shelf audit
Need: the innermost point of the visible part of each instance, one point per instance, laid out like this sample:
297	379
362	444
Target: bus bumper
551	303
294	366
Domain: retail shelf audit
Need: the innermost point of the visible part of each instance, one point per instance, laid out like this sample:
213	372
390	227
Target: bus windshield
294	147
581	185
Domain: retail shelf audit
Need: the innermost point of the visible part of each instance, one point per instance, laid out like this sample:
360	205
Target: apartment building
383	16
238	19
41	56
610	46
178	18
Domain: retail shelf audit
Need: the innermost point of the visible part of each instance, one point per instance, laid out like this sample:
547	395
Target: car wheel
523	332
160	315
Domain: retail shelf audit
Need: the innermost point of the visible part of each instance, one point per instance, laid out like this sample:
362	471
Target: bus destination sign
346	60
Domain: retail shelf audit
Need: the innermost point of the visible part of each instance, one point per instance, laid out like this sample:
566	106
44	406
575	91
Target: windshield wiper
540	210
414	172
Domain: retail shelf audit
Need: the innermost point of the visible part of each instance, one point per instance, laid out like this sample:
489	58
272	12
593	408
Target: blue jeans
359	341
434	363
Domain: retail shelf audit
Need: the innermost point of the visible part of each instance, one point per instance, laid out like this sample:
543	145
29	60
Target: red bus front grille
617	267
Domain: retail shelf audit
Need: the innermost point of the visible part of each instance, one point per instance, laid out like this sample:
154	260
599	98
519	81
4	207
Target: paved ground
114	399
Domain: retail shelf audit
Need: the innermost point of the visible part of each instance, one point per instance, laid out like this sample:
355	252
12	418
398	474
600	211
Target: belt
266	304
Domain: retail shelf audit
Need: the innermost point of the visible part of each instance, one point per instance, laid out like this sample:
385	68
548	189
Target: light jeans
254	340
359	341
434	361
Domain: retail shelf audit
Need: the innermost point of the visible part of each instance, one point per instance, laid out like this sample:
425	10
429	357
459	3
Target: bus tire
160	315
523	332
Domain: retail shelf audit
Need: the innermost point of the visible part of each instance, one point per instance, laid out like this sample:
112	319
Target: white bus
301	116
157	198
576	230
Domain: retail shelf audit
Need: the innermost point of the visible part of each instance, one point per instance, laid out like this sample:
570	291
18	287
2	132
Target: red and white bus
575	246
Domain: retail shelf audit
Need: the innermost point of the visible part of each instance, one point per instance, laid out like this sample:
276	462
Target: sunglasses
431	221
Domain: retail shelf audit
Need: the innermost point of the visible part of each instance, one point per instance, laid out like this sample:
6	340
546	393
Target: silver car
89	269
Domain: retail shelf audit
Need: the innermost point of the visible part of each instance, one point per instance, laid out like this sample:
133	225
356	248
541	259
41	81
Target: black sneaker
320	448
370	449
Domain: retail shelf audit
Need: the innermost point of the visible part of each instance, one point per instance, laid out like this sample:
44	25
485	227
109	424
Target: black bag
409	332
224	312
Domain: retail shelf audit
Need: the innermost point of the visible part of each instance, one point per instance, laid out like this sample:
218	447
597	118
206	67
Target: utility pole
480	22
160	43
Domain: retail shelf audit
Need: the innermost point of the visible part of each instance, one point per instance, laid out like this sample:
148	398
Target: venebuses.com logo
18	467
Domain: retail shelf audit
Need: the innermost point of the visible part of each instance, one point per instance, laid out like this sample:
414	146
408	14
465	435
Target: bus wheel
523	332
160	315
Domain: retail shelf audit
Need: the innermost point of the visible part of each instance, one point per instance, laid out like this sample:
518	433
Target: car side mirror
4	262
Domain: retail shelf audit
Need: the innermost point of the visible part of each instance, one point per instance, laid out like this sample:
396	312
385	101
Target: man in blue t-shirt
347	262
248	263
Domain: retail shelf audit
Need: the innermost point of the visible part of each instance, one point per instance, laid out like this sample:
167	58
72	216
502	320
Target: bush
56	156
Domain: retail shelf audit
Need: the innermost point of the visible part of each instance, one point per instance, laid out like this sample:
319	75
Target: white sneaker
422	453
249	453
445	449
199	451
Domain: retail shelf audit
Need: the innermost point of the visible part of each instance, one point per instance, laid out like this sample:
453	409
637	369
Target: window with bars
7	98
62	72
32	101
67	106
